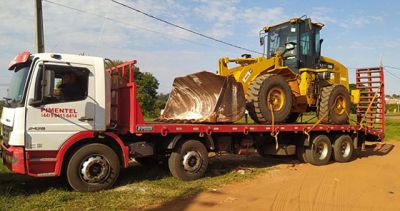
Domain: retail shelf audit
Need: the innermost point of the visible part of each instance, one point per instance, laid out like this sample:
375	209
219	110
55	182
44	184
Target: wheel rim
276	99
340	105
345	148
95	169
321	150
192	161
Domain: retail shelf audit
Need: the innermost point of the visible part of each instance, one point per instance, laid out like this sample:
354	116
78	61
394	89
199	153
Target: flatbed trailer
91	158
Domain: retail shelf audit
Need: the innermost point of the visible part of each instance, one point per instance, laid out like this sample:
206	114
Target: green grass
392	129
138	187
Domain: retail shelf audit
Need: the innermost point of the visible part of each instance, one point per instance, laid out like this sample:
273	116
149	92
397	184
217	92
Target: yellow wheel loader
290	78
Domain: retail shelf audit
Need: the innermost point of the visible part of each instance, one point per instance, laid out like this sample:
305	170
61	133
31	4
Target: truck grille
6	134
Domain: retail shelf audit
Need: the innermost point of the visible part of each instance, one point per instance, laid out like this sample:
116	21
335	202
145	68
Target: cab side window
56	84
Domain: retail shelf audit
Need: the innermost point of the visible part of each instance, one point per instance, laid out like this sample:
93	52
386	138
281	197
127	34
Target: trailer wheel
343	148
189	161
93	167
320	151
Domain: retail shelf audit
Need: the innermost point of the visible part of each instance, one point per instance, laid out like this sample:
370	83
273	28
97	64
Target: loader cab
306	37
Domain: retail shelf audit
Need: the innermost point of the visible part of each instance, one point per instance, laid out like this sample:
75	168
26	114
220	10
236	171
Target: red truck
89	137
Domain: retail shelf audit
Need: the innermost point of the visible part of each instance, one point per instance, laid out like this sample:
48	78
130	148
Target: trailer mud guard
209	141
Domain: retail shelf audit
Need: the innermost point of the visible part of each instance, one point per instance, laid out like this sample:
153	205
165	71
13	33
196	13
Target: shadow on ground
375	150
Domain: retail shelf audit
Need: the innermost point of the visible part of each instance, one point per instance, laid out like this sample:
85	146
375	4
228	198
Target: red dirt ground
370	182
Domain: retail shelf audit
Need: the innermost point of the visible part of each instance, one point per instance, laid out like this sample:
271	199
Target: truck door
65	93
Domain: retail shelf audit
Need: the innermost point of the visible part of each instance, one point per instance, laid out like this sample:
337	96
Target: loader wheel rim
340	105
276	99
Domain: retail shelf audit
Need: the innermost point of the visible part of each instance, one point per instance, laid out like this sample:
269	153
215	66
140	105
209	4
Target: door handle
85	119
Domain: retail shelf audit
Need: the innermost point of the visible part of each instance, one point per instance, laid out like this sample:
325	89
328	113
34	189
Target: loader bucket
204	97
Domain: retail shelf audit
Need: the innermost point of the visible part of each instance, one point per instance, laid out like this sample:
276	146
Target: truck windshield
15	91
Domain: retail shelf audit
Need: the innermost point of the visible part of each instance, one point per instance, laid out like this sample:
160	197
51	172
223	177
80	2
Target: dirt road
370	182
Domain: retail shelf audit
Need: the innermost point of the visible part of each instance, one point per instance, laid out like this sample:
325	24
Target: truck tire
274	89
189	161
343	149
334	105
93	167
320	151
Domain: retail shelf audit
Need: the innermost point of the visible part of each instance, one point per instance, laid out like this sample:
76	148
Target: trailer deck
129	118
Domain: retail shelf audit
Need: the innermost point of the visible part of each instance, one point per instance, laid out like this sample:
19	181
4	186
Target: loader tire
334	105
272	89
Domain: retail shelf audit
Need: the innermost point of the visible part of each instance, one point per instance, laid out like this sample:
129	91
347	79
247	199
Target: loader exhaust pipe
204	97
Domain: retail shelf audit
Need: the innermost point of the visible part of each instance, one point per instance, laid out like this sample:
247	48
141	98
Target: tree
147	86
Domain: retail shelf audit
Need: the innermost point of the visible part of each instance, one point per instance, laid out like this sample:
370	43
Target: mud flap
204	97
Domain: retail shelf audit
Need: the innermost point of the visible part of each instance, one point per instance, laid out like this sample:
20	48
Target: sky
356	33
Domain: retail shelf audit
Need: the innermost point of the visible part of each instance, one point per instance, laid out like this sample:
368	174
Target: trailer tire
343	149
93	167
320	151
275	89
189	161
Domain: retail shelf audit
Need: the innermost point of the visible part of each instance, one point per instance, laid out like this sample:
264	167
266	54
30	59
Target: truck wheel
320	151
334	105
343	148
93	167
272	90
189	161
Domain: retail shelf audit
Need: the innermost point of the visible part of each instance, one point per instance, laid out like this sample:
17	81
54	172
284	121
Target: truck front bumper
13	158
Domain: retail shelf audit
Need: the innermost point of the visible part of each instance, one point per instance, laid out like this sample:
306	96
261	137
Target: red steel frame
137	125
371	109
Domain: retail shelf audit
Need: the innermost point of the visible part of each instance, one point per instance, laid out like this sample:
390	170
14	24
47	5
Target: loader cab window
63	84
278	36
305	43
317	43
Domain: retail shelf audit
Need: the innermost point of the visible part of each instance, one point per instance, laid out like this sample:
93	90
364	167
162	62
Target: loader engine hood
205	97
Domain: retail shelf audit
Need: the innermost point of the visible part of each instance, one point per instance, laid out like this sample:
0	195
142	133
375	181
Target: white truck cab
51	98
